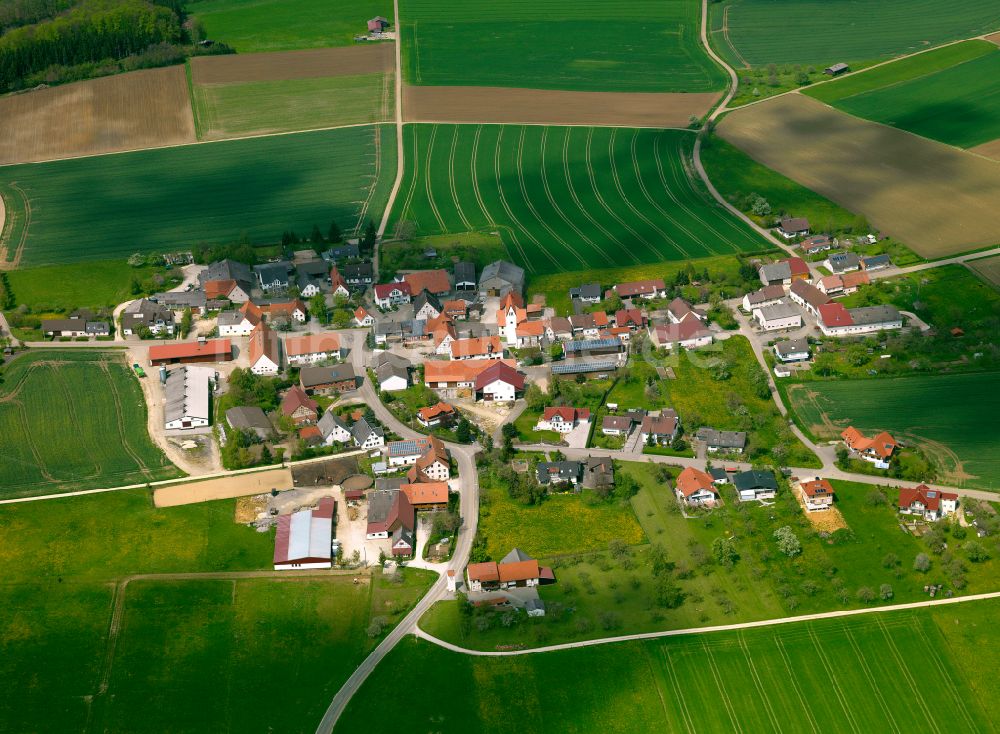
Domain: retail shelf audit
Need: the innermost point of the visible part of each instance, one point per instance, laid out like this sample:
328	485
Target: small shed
836	69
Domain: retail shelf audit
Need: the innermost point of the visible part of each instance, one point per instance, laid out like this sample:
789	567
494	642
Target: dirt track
994	37
140	109
937	199
309	64
223	488
540	106
990	149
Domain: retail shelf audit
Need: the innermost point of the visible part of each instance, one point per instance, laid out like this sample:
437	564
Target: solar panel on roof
581	346
568	368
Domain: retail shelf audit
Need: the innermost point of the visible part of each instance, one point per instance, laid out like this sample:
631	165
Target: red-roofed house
689	333
695	487
388	295
630	318
516	569
433	281
877	450
482	347
390	515
427	495
808	296
563	419
265	351
298	406
817	494
312	348
362	317
499	383
931	504
435	415
641	289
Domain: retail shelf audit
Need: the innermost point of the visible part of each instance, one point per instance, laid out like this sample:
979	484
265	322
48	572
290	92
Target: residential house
598	472
186	397
264	350
817	243
144	313
465	277
563	419
780	315
456	310
931	504
843	285
358	275
388	295
842	262
616	425
439	414
392	372
679	309
792	350
203	350
500	278
235	323
784	272
288	311
235	281
696	488
427	495
313	348
587	293
298	406
766	296
808	296
311	277
451	375
339	286
836	320
726	441
876	262
342	252
327	380
792	227
433	465
304	539
630	318
64	327
641	289
659	429
426	306
877	450
226	290
406	452
252	419
816	494
499	383
273	276
559	473
755	485
367	436
483	347
391	516
362	317
515	570
334	429
589	325
688	334
435	282
558	328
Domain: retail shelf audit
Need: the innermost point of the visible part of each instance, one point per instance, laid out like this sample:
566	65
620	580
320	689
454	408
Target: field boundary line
412	189
600	197
7	223
363	211
553	124
949	681
687	631
120	422
675	685
400	146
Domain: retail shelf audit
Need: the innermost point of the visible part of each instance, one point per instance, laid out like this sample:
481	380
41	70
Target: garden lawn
567	199
592	46
479	248
283	25
749	680
74	419
170	199
756	32
950	418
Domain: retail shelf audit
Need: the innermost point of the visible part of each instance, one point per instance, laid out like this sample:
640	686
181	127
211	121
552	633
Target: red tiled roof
433	281
500	371
518	570
882	444
466	370
929	498
433	411
797	266
384	290
264	342
296	398
817	488
483	571
626	316
218	288
566	413
296	346
220	348
855	278
639	288
692	480
834	314
426	493
476	347
689	328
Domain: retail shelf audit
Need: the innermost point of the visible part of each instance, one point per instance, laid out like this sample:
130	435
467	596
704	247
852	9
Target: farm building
688	334
836	320
445	375
240	275
817	494
465	277
298	406
483	347
499	383
837	69
265	350
500	278
212	350
766	296
304	539
780	315
312	348
435	282
784	272
611	347
250	418
236	323
390	515
186	392
808	296
74	327
427	495
326	380
516	569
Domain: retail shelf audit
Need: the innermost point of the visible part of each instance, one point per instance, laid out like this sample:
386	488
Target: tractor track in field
451	181
837	691
482	204
758	682
949	682
428	189
720	686
363	212
678	692
576	199
906	674
795	685
548	195
506	205
863	664
411	191
600	198
120	423
8	220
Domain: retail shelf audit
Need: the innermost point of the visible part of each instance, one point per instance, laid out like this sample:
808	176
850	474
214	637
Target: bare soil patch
994	37
540	106
141	109
990	149
222	488
937	199
988	268
308	64
825	521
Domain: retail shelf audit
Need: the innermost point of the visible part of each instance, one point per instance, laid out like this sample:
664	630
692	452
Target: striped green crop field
74	419
587	45
169	199
909	671
822	32
567	198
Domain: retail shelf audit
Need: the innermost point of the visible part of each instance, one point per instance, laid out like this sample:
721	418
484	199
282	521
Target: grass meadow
866	673
949	417
545	44
761	32
285	25
235	109
566	199
96	284
168	199
71	420
186	654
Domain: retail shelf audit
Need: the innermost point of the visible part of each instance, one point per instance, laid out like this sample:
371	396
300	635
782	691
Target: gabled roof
691	481
298	346
809	293
816	487
500	371
264	343
465	370
616	422
768	293
723	439
426	493
661	425
221	349
329	422
689	328
627	316
476	347
755	480
566	414
794	224
834	314
219	288
313	376
433	411
791	346
389	509
296	398
882	444
929	498
384	290
433	281
639	288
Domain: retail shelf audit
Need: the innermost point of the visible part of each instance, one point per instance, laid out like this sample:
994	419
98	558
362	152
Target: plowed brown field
141	109
309	64
538	106
937	199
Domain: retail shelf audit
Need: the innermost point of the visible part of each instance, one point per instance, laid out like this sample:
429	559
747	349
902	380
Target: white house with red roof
878	450
641	289
816	493
836	320
696	488
304	538
931	504
388	295
362	317
563	419
499	383
689	334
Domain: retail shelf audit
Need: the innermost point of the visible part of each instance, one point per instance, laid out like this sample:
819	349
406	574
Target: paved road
718	628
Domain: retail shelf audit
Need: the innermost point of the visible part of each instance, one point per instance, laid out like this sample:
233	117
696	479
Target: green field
169	199
868	673
949	417
761	32
181	654
547	44
285	25
96	284
958	105
253	108
566	198
73	419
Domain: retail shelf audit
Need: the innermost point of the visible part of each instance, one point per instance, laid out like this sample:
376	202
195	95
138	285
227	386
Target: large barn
304	538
